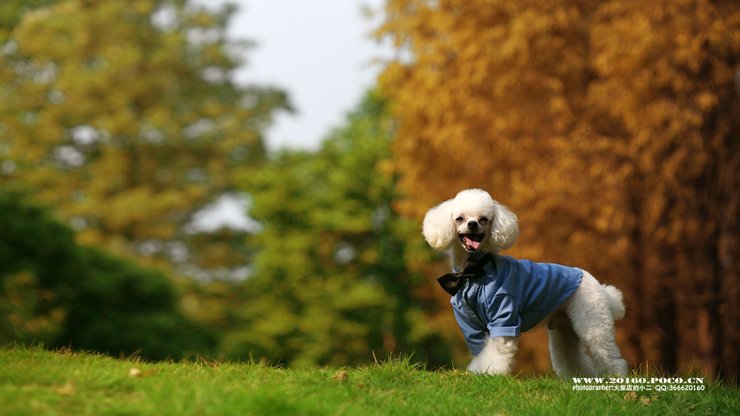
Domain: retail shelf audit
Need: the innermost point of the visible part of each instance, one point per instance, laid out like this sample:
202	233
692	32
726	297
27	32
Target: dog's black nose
472	225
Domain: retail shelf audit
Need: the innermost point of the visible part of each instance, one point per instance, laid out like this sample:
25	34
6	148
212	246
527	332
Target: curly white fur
439	226
497	357
582	342
581	332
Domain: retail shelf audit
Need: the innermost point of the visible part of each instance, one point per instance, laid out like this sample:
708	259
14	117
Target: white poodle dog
495	297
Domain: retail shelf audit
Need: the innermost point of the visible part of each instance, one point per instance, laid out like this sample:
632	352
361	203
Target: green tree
329	283
61	294
37	255
123	116
11	12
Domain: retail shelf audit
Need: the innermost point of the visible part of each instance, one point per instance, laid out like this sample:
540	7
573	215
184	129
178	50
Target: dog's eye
459	219
483	220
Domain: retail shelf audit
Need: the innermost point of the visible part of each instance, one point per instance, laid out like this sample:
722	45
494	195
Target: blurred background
609	127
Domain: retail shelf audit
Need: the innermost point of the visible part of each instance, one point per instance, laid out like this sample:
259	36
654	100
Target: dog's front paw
483	364
497	357
474	366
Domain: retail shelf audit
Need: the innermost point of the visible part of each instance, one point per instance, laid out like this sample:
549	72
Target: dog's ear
505	227
438	228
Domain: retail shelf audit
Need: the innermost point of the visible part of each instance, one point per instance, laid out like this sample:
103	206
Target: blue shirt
513	297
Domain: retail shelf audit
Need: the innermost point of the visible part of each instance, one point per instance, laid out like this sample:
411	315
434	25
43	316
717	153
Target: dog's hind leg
591	315
566	352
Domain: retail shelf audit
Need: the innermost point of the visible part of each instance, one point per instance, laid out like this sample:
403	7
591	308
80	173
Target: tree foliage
329	284
611	129
123	116
63	295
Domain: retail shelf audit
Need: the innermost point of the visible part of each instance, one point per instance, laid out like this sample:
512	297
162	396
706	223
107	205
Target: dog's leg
566	352
591	314
497	357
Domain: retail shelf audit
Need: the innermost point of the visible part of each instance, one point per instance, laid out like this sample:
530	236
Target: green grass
37	382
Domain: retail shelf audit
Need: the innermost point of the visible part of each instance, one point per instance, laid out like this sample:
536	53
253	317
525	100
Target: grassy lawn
37	382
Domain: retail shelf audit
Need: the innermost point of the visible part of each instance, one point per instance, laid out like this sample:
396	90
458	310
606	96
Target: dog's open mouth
471	242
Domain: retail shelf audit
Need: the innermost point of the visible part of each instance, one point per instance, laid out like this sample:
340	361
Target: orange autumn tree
608	127
665	87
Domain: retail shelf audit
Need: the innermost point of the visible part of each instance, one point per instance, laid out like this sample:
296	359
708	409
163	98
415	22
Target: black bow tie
452	282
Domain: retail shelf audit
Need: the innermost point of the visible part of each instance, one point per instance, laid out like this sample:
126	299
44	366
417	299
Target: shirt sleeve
503	317
474	333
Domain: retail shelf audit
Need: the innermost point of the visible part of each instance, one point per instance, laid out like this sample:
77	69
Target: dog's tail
616	305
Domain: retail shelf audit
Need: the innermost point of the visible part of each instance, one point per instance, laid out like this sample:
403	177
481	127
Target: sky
320	52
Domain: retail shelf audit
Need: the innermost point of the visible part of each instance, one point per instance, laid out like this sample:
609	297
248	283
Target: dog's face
472	213
472	218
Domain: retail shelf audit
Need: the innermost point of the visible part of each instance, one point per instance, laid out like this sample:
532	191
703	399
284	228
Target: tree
679	124
608	127
329	283
36	254
64	295
123	116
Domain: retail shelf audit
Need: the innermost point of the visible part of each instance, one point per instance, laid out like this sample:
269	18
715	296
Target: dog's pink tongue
471	244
